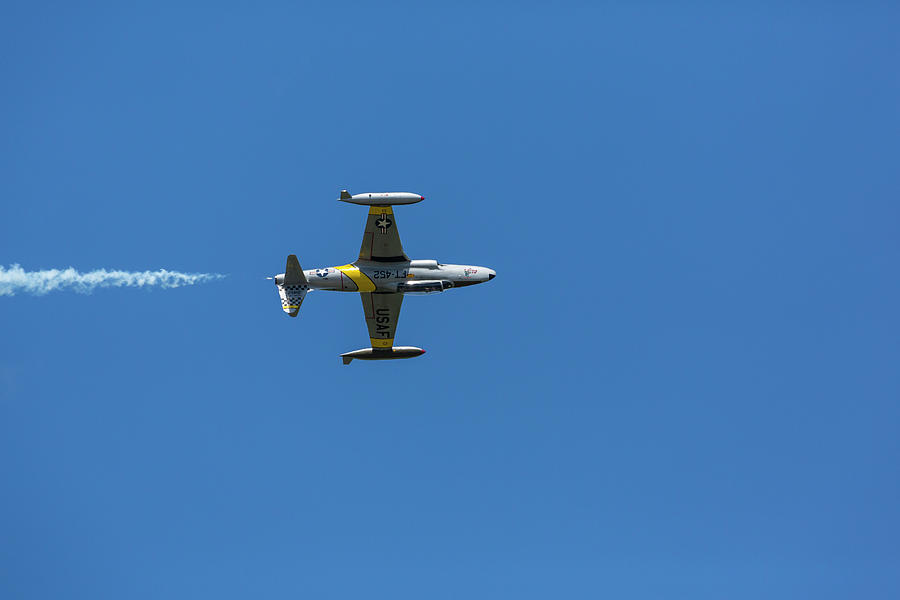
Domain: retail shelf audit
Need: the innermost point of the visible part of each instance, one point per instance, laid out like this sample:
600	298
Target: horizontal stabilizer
293	274
382	353
292	286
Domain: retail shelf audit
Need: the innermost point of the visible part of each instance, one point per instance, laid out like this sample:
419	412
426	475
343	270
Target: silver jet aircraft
382	274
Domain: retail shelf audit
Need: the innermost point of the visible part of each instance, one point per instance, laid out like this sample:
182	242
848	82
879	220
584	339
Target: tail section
292	286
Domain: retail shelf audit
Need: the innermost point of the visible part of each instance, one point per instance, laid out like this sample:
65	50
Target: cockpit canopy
423	264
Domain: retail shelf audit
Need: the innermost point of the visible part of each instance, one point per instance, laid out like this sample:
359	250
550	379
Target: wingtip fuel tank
382	353
381	198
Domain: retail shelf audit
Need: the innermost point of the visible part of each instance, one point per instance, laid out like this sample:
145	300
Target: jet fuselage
408	277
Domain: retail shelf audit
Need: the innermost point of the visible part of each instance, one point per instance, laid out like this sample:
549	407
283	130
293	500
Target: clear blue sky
683	383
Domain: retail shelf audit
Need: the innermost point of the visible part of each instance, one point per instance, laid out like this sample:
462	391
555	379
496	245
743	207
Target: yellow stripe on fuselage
377	343
381	210
358	277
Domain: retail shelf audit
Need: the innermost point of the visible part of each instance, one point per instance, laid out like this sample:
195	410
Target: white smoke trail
15	279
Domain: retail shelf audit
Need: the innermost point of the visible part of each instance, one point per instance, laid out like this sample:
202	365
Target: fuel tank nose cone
491	275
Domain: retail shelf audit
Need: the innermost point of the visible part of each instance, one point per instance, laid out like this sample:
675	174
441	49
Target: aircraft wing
382	311
381	242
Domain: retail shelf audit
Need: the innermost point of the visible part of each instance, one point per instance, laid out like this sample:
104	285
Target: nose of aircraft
491	274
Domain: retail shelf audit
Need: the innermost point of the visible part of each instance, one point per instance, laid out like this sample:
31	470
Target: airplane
381	275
